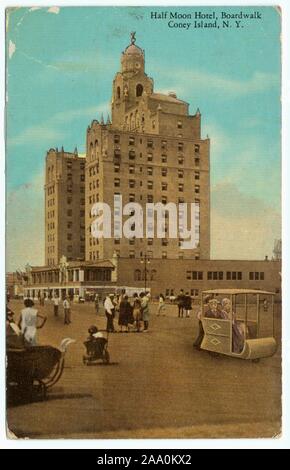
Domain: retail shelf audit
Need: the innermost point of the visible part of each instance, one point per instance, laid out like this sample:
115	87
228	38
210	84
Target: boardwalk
157	386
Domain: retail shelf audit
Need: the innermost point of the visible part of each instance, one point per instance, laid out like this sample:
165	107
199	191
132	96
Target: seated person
238	328
14	337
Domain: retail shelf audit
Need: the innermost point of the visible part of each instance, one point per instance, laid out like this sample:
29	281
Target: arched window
118	92
153	274
139	89
137	275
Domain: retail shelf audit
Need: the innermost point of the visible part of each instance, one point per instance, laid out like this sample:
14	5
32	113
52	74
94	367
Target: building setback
64	206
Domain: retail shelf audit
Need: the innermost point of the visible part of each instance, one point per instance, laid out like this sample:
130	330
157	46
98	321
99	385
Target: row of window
150	169
150	144
69	248
164	199
69	213
94	170
50	214
164	185
69	165
69	200
50	202
221	275
132	156
94	184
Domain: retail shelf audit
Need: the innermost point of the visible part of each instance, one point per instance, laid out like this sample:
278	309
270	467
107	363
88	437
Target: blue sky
61	63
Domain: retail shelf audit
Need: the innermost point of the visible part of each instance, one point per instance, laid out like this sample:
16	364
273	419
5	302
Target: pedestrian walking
161	305
55	305
97	304
180	303
28	322
145	310
137	311
67	311
109	310
124	314
187	305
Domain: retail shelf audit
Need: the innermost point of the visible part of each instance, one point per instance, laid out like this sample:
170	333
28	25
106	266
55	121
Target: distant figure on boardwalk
161	306
97	303
125	311
55	305
28	322
137	311
67	311
187	305
109	310
180	303
145	309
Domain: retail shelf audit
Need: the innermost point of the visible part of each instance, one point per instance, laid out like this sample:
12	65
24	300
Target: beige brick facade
64	206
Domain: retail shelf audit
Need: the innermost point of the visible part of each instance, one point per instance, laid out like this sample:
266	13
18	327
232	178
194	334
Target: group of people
134	316
184	304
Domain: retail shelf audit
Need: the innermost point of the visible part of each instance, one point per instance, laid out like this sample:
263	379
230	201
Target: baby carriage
96	347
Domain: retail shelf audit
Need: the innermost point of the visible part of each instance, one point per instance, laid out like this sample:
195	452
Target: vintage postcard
143	176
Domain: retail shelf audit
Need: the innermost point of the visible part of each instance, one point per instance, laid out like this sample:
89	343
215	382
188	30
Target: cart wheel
106	358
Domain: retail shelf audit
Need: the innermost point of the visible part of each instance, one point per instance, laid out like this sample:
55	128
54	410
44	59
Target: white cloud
54	10
25	224
242	227
11	48
183	81
54	129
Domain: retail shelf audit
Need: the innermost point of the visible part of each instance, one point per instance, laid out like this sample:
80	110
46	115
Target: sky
60	66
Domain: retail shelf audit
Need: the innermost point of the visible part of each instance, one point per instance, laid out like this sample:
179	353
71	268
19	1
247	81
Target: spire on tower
102	119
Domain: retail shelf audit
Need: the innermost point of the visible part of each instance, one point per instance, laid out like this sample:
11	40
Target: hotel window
164	158
180	187
132	155
150	157
215	275
117	153
164	199
196	148
164	254
69	165
197	275
117	168
234	275
82	165
150	185
180	146
150	256
163	144
137	275
82	178
116	139
197	201
164	186
83	201
180	174
117	182
82	213
180	200
196	189
196	161
131	197
256	276
164	242
132	183
69	200
131	254
164	171
149	198
69	236
149	170
131	241
179	125
180	160
117	241
150	241
153	124
196	175
150	144
131	140
69	212
194	292
131	169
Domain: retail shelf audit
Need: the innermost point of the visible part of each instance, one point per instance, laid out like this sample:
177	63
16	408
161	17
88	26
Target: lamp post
145	260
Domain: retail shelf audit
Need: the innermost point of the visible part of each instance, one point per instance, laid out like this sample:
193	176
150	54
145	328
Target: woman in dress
124	313
28	322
